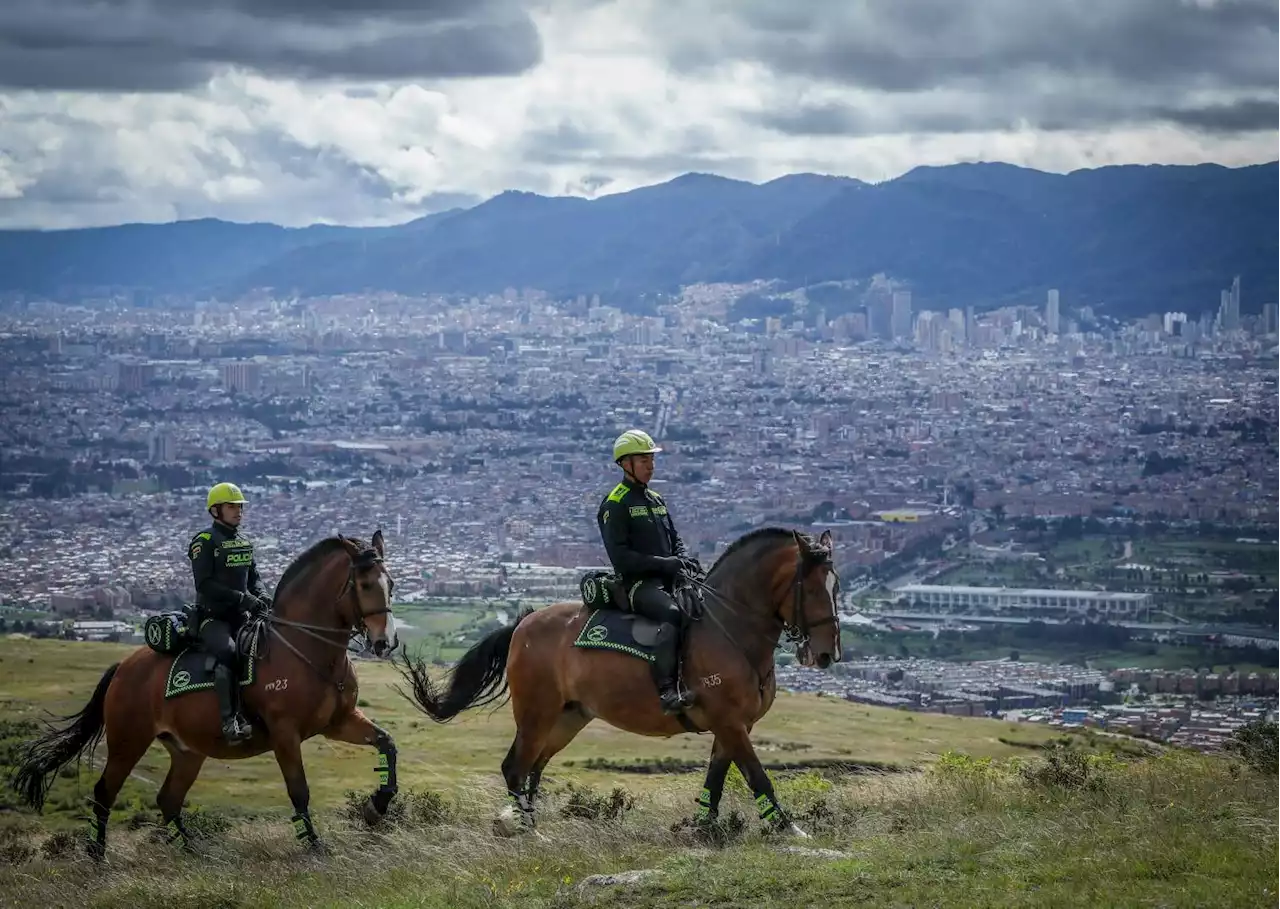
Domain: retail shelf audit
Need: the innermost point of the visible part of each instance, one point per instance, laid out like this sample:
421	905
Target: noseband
799	629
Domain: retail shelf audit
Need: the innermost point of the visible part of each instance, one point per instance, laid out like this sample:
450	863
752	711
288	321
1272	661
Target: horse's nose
380	647
824	660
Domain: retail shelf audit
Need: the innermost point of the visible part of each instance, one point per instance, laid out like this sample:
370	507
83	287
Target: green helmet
633	441
224	494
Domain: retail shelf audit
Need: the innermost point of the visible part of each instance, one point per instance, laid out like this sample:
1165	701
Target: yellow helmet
224	494
634	441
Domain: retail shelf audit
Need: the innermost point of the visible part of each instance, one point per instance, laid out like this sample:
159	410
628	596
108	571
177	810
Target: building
242	377
1051	315
1102	603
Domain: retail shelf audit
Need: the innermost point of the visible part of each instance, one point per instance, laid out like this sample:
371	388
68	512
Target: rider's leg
652	601
215	640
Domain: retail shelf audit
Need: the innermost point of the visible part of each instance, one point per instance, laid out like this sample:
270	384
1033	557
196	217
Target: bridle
799	630
367	558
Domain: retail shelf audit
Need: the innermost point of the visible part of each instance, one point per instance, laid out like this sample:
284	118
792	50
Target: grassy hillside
1178	830
57	676
1031	827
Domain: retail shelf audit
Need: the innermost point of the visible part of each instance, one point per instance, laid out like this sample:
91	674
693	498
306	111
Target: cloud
155	45
940	66
376	112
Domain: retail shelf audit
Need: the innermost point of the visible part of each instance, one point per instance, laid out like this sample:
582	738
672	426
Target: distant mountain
1129	240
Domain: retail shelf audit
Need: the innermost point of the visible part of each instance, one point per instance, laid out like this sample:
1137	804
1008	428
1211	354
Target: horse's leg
567	727
535	720
184	767
122	756
129	733
288	750
713	785
737	744
357	729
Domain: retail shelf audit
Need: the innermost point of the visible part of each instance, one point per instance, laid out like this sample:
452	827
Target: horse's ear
825	540
377	542
802	541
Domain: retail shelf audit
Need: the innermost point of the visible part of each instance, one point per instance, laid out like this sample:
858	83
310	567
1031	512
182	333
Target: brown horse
304	687
769	581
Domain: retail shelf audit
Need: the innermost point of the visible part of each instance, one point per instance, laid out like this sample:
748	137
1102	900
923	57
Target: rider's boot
234	728
666	670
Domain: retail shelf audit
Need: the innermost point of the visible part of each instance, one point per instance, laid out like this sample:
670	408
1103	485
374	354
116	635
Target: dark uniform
228	590
648	555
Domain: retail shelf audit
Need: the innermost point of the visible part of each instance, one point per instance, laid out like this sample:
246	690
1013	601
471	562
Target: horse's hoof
793	830
372	816
95	850
319	847
508	822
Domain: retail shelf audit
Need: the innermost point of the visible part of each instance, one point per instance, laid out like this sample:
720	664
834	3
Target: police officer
228	590
649	557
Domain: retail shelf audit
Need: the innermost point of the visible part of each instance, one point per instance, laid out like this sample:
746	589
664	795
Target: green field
58	676
1031	828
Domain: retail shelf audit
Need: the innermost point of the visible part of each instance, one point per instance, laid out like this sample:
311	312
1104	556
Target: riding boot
234	728
666	670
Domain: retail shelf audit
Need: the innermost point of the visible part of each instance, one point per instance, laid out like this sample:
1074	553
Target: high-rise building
900	319
1051	315
241	377
1271	319
161	448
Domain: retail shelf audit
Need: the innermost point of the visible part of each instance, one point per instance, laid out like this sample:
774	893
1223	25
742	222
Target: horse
306	686
769	581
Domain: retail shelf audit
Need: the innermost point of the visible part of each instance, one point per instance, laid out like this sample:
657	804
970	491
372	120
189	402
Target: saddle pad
609	629
190	671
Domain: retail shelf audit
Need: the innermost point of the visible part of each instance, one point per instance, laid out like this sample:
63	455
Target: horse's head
368	591
810	615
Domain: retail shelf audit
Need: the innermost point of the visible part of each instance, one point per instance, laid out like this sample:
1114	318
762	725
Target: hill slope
1129	239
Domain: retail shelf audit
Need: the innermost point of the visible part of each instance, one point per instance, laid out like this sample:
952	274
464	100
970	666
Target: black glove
672	566
692	568
689	601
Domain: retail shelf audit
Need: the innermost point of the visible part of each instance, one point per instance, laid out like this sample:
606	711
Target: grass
1174	830
59	676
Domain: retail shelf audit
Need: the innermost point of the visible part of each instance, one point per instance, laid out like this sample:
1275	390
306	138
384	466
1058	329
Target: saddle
192	668
612	625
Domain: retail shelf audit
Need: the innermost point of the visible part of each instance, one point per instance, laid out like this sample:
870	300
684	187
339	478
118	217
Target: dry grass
1178	830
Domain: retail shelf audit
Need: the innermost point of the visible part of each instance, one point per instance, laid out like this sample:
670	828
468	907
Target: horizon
377	112
605	195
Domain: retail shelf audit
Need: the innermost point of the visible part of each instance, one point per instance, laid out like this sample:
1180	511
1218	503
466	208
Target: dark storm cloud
1119	60
159	45
1240	116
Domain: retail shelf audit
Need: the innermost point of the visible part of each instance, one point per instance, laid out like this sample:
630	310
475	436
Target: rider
649	557
228	590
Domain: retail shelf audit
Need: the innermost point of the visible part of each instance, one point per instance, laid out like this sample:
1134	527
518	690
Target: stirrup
237	730
675	700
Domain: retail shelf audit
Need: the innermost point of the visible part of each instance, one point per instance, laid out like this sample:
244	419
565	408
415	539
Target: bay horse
304	687
769	581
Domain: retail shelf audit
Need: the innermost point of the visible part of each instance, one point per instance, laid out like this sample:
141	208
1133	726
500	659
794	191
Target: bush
15	848
410	808
60	844
1255	743
1070	769
587	804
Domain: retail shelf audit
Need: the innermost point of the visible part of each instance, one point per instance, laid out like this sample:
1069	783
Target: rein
798	631
323	633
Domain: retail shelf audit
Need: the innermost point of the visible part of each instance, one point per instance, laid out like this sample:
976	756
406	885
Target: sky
379	111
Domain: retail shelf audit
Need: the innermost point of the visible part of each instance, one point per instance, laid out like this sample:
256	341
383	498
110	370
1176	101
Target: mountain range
1127	240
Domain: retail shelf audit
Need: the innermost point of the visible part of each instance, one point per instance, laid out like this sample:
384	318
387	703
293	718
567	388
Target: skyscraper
900	320
1051	315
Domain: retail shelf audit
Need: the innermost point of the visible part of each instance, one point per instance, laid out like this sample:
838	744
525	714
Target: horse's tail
479	678
40	760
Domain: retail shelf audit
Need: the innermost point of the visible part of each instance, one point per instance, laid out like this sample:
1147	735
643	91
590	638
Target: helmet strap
625	463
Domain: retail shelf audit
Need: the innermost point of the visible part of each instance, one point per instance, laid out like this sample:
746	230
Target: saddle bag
168	632
599	589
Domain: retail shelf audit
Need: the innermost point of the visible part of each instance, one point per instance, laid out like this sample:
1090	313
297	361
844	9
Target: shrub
587	804
1255	743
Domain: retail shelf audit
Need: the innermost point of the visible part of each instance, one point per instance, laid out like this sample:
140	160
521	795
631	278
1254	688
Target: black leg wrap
303	829
387	783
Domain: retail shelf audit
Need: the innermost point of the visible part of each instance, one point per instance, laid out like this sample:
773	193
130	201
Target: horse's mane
317	551
750	537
